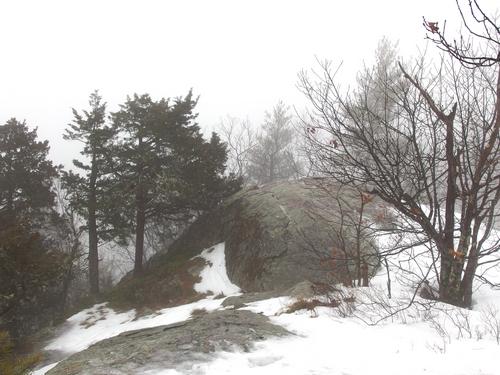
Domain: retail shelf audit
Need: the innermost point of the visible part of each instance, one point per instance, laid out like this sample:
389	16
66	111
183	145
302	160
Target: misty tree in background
90	194
375	85
67	233
164	167
30	266
31	270
241	139
431	150
274	156
26	175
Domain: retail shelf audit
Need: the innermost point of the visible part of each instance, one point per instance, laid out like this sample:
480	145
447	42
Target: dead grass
309	305
163	287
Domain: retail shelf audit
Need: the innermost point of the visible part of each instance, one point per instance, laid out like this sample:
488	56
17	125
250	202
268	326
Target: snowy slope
443	341
101	322
214	277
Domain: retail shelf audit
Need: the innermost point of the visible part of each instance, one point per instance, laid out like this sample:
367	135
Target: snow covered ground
443	341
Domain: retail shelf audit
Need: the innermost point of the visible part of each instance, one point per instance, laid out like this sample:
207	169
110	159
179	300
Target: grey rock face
280	234
302	290
175	346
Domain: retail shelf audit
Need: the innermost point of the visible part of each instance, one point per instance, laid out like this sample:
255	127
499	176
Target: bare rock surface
176	346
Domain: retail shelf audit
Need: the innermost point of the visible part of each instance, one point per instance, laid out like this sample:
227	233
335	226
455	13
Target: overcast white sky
241	57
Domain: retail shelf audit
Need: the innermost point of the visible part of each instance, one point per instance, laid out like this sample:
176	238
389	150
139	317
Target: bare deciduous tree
240	139
432	150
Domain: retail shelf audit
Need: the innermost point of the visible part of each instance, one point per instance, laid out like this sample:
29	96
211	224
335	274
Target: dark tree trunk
444	275
139	229
68	277
93	240
468	279
447	278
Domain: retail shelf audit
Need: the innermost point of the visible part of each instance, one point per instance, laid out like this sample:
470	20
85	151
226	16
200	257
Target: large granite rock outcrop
279	234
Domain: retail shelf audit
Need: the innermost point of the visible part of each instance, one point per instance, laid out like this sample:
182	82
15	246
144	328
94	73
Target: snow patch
44	369
86	330
214	277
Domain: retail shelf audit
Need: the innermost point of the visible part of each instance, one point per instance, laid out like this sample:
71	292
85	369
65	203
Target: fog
239	57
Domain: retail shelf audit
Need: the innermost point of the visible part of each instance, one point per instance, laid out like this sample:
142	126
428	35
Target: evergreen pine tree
30	268
26	175
273	157
89	193
164	165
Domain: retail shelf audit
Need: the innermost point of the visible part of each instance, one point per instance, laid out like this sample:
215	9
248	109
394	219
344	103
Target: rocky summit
275	235
269	241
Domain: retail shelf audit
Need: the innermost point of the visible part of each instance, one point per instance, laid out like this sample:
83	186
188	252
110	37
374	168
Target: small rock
303	290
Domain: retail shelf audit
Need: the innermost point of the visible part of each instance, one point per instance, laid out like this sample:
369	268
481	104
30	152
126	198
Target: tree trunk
93	240
469	274
445	270
455	296
450	278
448	247
65	286
68	277
467	281
140	221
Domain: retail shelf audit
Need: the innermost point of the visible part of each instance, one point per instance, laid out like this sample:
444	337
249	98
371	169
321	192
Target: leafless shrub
479	333
344	299
375	306
439	325
441	349
490	317
460	318
341	300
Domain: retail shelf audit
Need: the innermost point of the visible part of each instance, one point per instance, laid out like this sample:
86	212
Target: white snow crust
410	342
